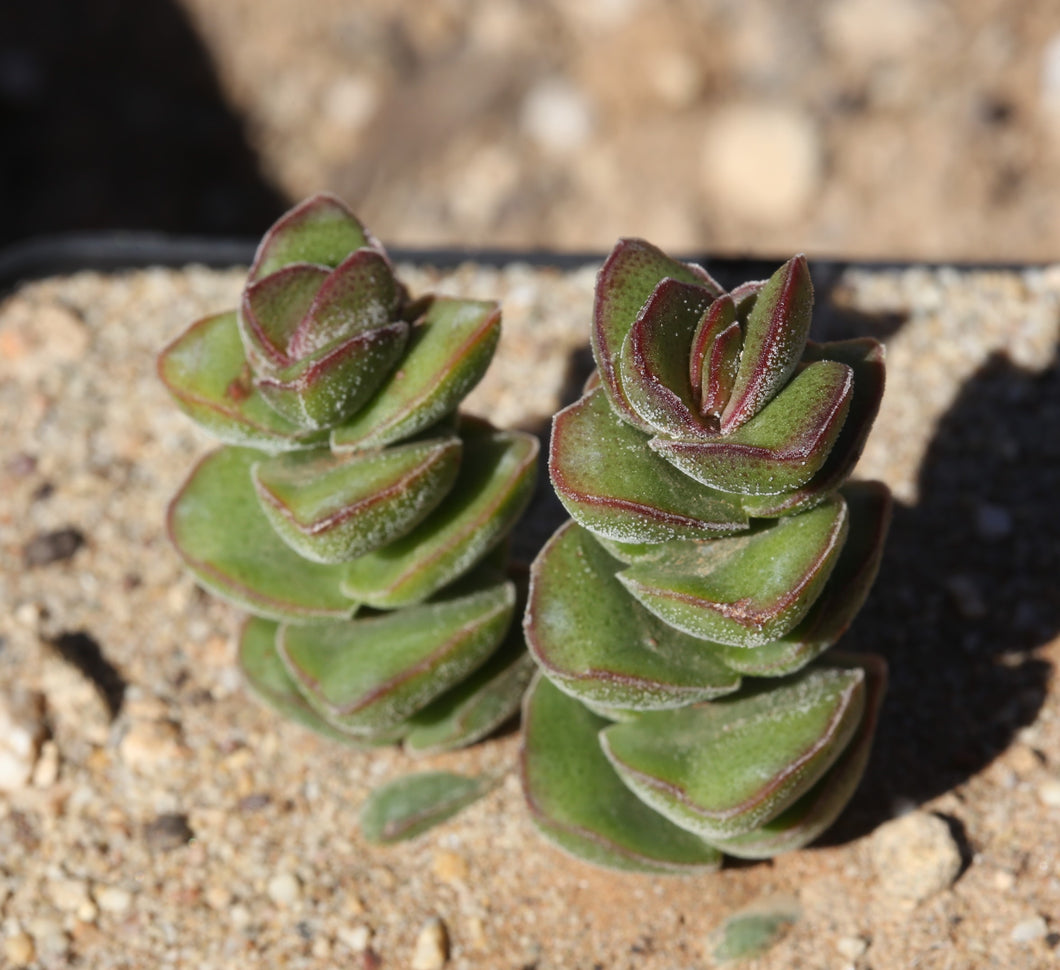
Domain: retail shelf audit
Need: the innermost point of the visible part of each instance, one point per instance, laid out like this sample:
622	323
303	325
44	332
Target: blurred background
889	129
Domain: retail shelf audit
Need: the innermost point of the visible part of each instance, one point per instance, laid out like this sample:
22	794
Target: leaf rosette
353	511
715	536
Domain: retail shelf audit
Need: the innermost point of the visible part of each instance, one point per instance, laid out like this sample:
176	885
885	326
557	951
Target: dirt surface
907	129
157	816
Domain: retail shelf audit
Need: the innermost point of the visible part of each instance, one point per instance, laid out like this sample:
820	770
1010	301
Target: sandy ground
164	819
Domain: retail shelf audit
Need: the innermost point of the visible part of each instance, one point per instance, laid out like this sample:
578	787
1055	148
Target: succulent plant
683	708
352	511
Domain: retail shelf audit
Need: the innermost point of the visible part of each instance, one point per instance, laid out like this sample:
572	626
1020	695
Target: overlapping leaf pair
714	545
353	512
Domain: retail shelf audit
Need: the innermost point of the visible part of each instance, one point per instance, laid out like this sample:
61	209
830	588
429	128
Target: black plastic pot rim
113	251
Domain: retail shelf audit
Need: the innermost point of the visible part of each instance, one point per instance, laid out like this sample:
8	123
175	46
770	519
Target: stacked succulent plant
352	511
715	553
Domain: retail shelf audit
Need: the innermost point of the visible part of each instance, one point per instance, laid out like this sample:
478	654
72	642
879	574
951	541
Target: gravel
277	874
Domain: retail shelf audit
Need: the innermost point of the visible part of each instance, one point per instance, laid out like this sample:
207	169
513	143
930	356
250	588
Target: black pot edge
65	253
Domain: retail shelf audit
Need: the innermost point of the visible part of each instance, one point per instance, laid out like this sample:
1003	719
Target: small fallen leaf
408	806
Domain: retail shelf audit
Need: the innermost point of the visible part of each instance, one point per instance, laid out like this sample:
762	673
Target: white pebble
22	732
432	946
284	889
557	116
1029	930
851	947
357	938
761	162
113	899
915	856
19	949
1049	793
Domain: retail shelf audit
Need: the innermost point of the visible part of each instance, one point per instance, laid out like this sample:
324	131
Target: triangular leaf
332	508
270	312
725	767
600	645
207	373
321	230
410	805
612	483
774	338
781	447
745	590
627	279
577	801
447	354
217	526
367	675
495	482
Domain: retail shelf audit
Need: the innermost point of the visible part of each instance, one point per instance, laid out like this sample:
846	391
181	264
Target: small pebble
22	733
284	889
449	867
357	938
149	745
432	946
557	116
915	856
169	831
113	899
19	949
1049	793
68	895
1029	930
46	771
851	947
50	547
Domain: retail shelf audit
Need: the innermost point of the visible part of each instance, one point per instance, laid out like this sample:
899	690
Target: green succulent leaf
578	802
321	230
745	590
478	705
324	390
368	675
782	446
725	767
360	294
270	312
448	351
812	814
627	279
611	482
774	338
855	571
207	373
755	930
653	360
333	508
597	643
410	805
718	318
865	357
495	482
216	524
268	680
720	373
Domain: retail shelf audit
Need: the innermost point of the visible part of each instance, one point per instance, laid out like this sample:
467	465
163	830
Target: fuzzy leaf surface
447	354
610	481
476	706
270	312
725	767
578	802
813	814
745	590
267	678
774	338
865	358
495	482
597	643
627	279
216	524
332	508
322	391
855	571
653	362
367	675
781	447
206	371
321	230
409	806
